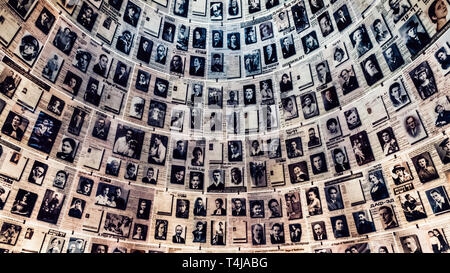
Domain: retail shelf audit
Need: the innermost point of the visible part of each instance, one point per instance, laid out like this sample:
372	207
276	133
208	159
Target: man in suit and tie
238	209
277	236
287	48
342	18
440	203
319	232
177	237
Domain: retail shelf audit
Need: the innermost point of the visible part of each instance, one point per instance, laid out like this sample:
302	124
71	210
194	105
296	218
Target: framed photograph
157	114
340	159
107	28
363	222
300	16
414	128
121	74
68	6
340	54
38	172
443	150
234	9
51	207
414	35
24	203
101	127
196	66
22	8
441	56
438	199
333	128
399	9
9	233
28	48
117	225
144	209
412	206
361	148
287	46
348	80
111	196
60	179
199	232
9	81
65	39
326	26
10	28
103	65
56	105
44	133
216	11
388	142
137	107
68	149
410	244
128	141
82	59
298	172
125	41
352	118
401	173
314	139
266	31
252	62
132	14
319	231
177	174
140	232
340	226
15	126
199	38
76	121
330	98
113	166
158	149
45	21
76	245
254	6
371	69
85	186
258	174
76	208
87	16
72	83
310	42
425	168
398	95
423	79
378	188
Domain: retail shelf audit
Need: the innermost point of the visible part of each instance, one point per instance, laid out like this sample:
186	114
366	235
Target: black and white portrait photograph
199	38
314	139
45	21
330	98
198	156
85	186
443	58
399	8
52	67
113	166
438	199
249	94
121	74
413	126
282	20
15	126
443	150
87	16
68	149
217	62
181	8
326	26
266	31
44	133
72	83
300	16
180	235
76	121
286	83
393	57
237	178
333	127
103	65
388	142
254	6
388	217
51	207
319	231
340	54
411	244
398	95
151	175
414	35
352	118
334	197
28	48
252	62
128	141
371	69
24	203
145	49
361	41
101	128
60	179
364	222
294	147
234	9
177	120
378	187
215	98
200	232
340	159
258	173
234	41
277	233
182	209
111	196
158	149
168	34
197	66
290	110
182	37
238	207
93	92
401	173
340	226
125	41
361	148
250	35
219	207
9	81
76	245
82	59
143	81
217	38
412	206
323	73
342	18
118	225
65	39
347	80
177	64
132	14
235	151
256	208
22	7
144	208
380	31
310	42
309	105
274	148
9	233
424	81
298	172
318	163
216	11
424	165
38	172
140	232
77	208
196	180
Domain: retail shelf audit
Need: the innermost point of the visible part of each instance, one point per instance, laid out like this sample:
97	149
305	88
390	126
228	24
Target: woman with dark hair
340	161
378	190
339	54
383	249
438	13
236	176
444	247
198	157
199	207
68	149
314	205
13	129
285	84
76	210
130	171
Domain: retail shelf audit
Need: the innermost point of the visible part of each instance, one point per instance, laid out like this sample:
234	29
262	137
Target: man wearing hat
399	174
415	41
445	145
